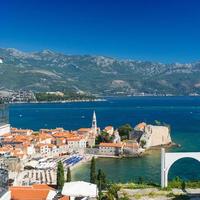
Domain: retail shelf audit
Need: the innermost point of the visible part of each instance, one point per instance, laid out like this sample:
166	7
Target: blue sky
157	30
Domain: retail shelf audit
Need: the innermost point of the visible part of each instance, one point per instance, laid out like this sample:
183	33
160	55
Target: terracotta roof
84	129
107	128
20	130
35	192
42	186
5	149
7	135
141	125
44	136
74	139
52	130
132	145
63	134
64	198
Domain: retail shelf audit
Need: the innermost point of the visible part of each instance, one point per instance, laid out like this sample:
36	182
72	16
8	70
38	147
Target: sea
182	113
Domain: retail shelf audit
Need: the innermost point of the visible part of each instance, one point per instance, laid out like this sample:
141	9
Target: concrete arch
168	159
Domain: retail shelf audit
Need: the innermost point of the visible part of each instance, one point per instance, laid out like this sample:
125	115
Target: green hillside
50	71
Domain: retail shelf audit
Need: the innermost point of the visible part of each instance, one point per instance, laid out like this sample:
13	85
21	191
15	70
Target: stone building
150	135
111	149
156	136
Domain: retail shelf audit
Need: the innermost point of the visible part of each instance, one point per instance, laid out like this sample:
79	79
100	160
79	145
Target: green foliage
157	122
42	96
142	143
124	197
141	185
50	72
99	139
124	131
103	137
181	184
137	196
93	176
101	180
112	192
104	134
140	180
69	178
60	175
175	183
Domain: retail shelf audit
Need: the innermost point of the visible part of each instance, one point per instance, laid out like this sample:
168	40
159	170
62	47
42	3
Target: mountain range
100	75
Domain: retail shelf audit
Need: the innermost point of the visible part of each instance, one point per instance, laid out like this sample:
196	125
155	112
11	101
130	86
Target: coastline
104	99
66	101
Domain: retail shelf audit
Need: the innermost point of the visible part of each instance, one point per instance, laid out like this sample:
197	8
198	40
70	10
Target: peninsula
27	153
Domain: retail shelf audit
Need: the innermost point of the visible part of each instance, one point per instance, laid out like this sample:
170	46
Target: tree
143	143
69	177
101	180
125	130
158	123
93	171
112	192
98	139
183	185
60	175
140	180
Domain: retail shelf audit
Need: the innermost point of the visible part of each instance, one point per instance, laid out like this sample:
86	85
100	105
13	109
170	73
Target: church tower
94	124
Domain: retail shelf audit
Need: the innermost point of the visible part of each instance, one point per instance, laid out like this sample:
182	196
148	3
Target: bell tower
94	124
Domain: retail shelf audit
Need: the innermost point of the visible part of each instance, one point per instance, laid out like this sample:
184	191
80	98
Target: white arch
168	159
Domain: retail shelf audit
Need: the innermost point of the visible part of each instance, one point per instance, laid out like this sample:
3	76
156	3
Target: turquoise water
182	113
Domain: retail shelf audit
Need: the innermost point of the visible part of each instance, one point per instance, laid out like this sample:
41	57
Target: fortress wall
160	135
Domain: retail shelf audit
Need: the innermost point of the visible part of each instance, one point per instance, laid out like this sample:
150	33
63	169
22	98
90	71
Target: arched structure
167	160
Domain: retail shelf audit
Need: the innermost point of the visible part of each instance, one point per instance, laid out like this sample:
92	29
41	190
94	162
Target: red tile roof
64	198
34	192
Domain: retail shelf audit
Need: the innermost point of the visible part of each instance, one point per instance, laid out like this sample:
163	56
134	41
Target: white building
111	149
30	149
76	144
47	149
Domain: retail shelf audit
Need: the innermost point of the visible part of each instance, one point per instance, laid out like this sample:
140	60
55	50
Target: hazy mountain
50	71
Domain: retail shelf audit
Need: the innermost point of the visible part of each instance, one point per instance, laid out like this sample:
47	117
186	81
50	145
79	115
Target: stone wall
160	135
156	136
